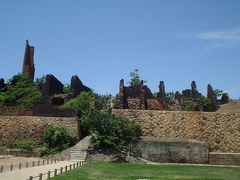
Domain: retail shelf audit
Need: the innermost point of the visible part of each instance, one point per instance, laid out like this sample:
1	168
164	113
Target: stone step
79	152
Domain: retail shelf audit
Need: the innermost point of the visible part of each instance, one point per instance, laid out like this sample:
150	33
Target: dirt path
24	174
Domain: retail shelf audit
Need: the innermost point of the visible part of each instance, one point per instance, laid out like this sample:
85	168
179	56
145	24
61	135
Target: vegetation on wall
218	92
103	102
170	96
109	130
40	81
57	138
135	78
21	91
190	105
25	144
83	101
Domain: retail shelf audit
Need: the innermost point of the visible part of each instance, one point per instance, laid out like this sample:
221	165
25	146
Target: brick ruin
140	97
28	62
52	88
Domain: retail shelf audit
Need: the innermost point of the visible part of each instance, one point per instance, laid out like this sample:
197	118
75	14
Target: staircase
79	151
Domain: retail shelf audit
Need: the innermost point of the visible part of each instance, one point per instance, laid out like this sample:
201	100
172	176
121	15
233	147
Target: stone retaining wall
220	130
13	128
224	158
171	150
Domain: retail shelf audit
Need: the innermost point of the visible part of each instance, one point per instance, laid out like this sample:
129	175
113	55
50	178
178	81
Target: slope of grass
125	171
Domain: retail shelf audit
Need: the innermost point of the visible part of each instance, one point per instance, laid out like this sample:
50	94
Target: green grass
125	171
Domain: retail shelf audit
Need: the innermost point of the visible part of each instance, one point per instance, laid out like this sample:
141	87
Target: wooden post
11	167
43	162
40	176
61	170
20	165
38	163
55	172
49	174
55	160
33	163
1	170
26	164
51	161
30	178
65	168
70	166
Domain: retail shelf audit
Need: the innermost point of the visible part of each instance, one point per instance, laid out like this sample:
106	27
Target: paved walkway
24	174
78	154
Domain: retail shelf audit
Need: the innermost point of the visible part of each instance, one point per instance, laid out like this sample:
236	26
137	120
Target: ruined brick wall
13	128
220	130
47	111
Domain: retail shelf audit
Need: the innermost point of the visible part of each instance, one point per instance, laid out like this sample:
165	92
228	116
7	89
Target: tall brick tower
28	62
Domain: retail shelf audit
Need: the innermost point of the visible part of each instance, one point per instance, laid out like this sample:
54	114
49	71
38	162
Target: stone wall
171	150
13	128
220	130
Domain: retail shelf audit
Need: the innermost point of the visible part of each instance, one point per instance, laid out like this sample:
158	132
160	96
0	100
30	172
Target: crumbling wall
40	110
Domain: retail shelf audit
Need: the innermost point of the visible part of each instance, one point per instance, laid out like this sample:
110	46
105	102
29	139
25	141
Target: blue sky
102	41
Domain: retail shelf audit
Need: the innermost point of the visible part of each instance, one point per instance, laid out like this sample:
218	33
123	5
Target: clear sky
101	41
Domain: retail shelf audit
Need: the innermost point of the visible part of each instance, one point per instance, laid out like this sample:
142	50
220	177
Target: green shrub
116	100
25	144
66	89
58	138
21	92
205	103
103	102
83	101
190	105
109	130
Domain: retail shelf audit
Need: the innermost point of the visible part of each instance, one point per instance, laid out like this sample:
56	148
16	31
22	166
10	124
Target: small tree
40	81
135	78
218	92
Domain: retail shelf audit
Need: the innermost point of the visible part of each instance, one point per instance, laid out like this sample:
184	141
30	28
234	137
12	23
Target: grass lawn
125	171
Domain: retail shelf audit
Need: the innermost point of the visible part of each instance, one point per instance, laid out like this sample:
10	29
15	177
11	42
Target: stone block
169	150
